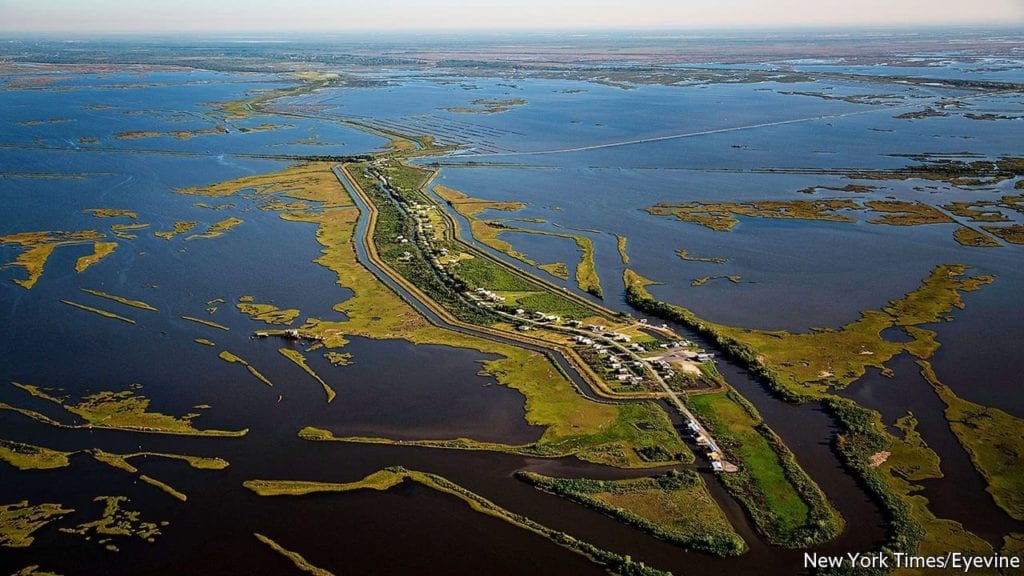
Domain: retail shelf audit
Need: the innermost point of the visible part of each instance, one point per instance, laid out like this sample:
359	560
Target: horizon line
543	29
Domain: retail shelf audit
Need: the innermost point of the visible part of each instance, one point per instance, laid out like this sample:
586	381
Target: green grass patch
763	483
676	507
993	438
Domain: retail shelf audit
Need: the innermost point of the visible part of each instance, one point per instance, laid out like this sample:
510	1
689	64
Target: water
796	275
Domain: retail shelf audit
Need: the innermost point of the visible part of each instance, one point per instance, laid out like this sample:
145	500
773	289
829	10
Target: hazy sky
341	15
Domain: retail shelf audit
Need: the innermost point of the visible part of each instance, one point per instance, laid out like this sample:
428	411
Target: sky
368	15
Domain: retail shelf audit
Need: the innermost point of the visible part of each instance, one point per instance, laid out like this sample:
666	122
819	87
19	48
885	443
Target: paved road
362	226
362	254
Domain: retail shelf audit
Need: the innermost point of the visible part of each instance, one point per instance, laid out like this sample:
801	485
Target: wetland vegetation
267	313
785	504
182	227
116	521
300	360
389	477
18	521
38	246
229	357
300	563
99	311
676	507
100	251
407	261
120	300
124	410
805	367
994	440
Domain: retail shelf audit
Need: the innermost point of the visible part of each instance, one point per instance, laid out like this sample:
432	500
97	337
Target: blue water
587	158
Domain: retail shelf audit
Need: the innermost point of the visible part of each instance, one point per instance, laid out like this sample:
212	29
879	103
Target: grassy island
267	313
574	424
100	250
38	246
123	410
676	507
805	367
19	521
389	477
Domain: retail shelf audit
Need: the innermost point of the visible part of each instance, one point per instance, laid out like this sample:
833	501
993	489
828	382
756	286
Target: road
669	393
363	235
